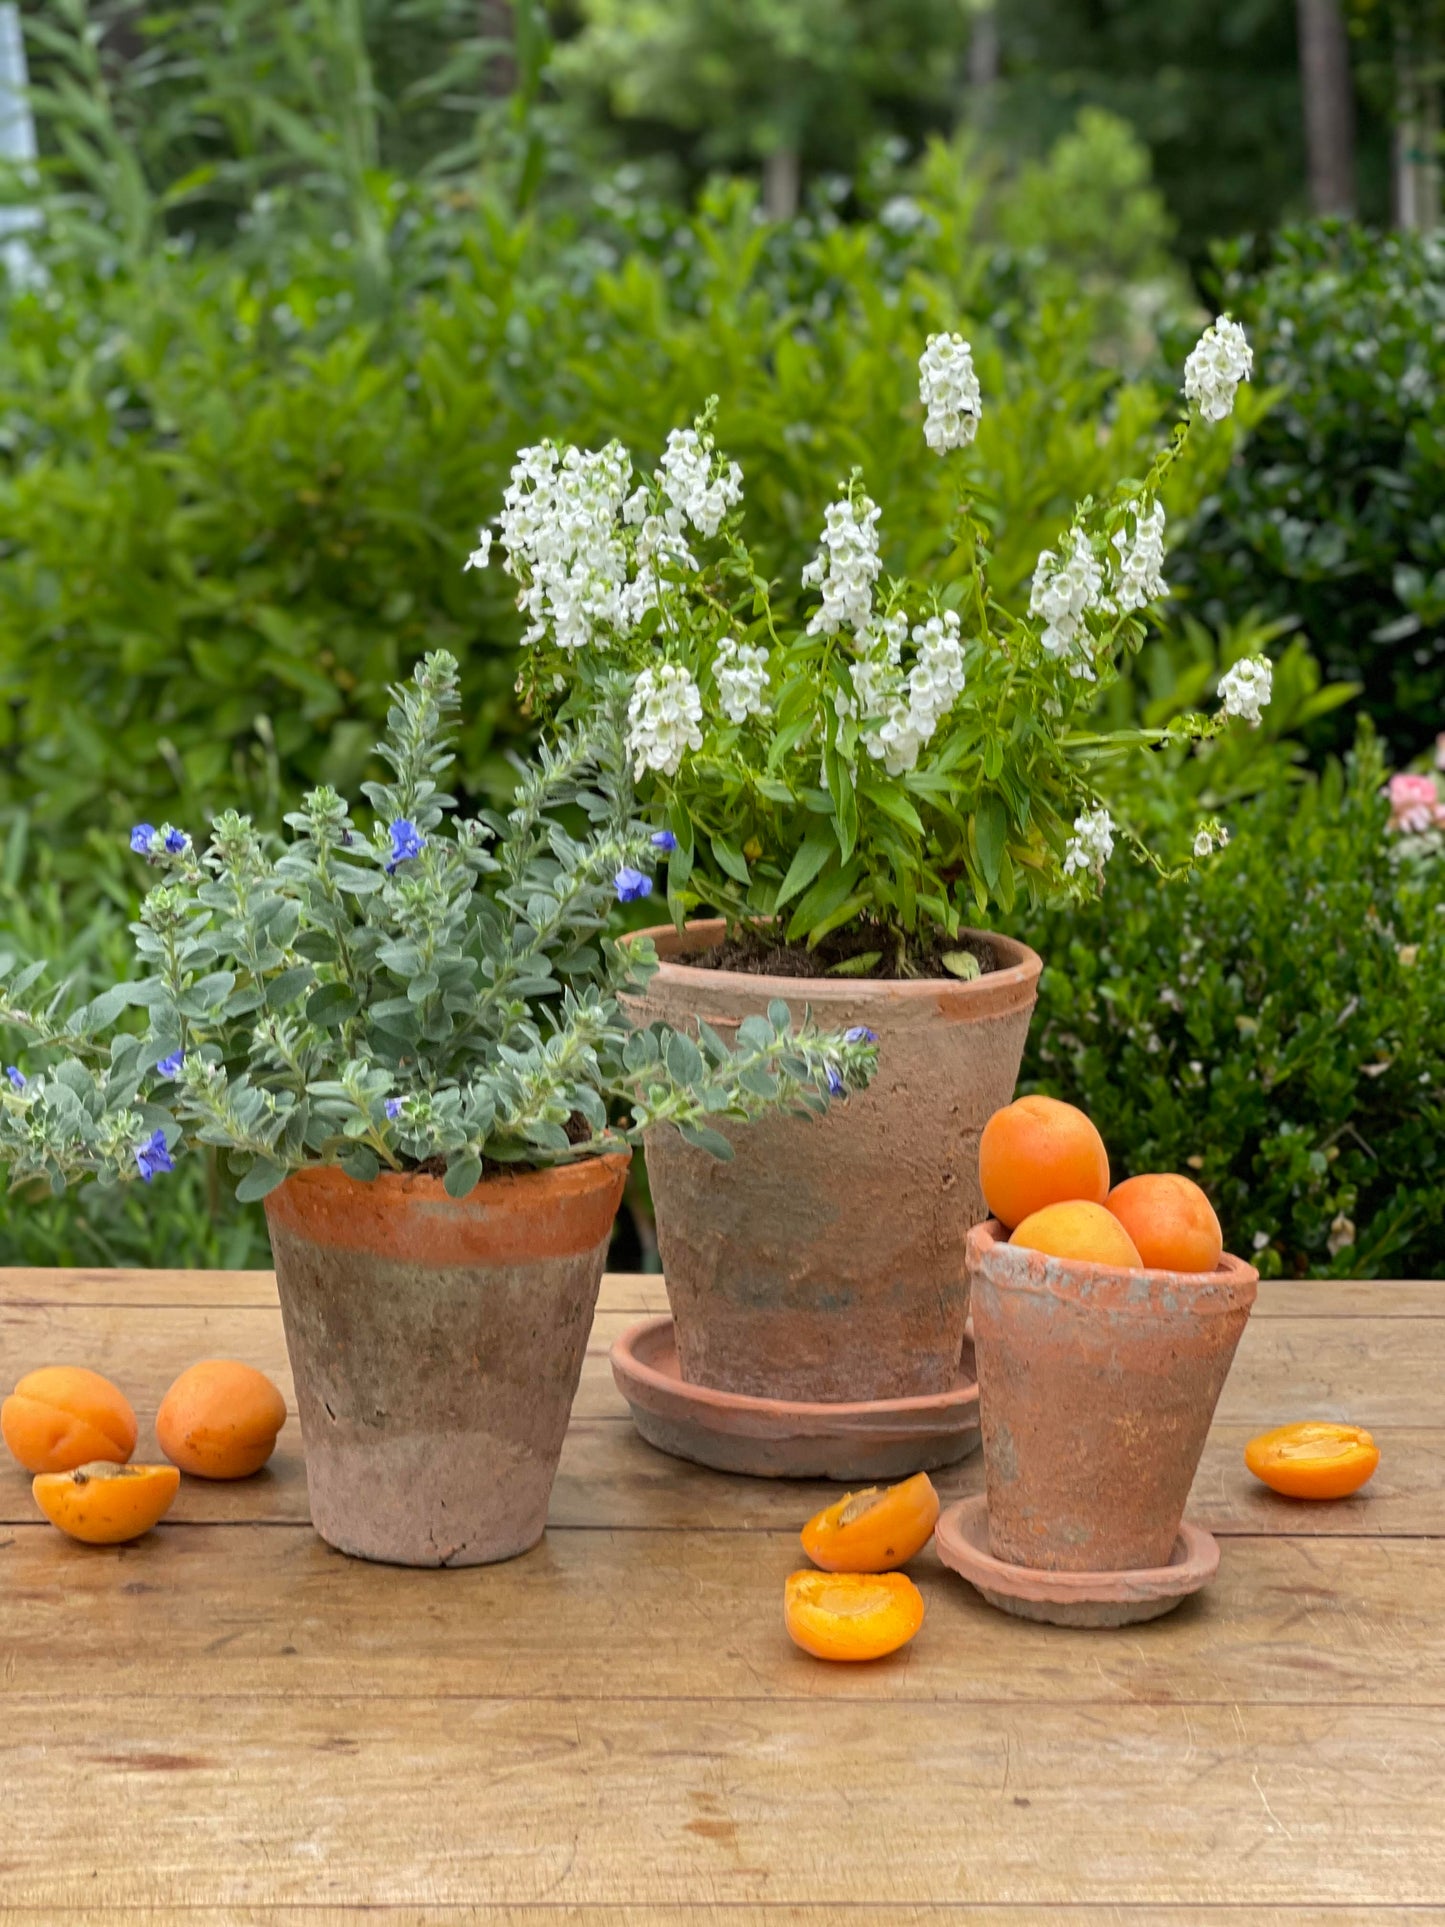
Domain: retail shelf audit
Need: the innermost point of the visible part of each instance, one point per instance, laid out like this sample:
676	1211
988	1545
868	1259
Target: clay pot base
1072	1598
771	1438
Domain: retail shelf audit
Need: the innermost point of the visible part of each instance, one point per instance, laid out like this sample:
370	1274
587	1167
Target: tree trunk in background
496	22
1417	137
781	179
1329	105
983	66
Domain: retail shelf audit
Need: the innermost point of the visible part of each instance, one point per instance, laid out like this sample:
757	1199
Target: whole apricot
220	1420
1170	1220
106	1504
63	1416
1081	1231
1038	1151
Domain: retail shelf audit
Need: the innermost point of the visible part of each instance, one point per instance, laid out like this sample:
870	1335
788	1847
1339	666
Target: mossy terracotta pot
436	1345
825	1262
1096	1391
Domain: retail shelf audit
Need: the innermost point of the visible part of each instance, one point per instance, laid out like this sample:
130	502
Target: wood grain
828	1800
669	1615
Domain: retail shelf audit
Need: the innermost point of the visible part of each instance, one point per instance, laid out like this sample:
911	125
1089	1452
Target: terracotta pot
436	1345
826	1261
1096	1390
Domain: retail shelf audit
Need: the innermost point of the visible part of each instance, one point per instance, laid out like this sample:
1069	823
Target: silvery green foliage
435	991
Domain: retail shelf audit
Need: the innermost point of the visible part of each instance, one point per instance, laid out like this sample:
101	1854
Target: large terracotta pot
825	1262
436	1345
1096	1391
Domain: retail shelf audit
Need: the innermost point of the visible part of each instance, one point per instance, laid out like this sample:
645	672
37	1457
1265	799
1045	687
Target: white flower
1064	590
698	484
481	555
845	568
742	680
1092	843
662	719
559	526
1220	360
1208	838
1245	689
908	713
1139	571
950	392
901	214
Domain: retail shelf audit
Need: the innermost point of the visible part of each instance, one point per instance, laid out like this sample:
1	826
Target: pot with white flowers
844	779
408	1040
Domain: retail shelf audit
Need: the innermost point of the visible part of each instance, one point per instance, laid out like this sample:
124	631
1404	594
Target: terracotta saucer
779	1439
1072	1598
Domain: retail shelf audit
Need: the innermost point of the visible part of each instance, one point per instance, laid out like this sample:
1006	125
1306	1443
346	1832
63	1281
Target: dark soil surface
756	953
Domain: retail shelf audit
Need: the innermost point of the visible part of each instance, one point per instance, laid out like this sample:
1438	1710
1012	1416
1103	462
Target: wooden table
228	1716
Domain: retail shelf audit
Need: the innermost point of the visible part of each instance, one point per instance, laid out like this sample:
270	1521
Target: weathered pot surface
826	1260
436	1345
1096	1391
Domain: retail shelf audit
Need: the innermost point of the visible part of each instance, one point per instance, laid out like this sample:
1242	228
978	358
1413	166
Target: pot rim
575	1178
1016	982
1074	1279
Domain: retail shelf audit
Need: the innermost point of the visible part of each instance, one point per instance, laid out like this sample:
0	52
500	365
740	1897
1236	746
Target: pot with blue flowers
846	774
406	1036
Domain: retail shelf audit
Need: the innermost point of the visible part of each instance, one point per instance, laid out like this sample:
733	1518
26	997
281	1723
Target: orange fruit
1079	1230
851	1615
1315	1459
873	1531
1170	1220
106	1504
220	1419
1036	1152
63	1416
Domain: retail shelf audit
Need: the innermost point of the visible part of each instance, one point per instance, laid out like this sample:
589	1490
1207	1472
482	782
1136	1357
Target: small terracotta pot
436	1345
826	1261
1096	1390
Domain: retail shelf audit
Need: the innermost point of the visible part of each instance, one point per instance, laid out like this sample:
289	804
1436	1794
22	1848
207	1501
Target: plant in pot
408	1040
847	773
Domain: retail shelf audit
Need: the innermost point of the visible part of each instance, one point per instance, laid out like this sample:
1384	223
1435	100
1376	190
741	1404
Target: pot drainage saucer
1072	1598
775	1438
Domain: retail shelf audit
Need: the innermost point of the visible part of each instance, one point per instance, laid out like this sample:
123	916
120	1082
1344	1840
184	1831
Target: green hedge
1274	1029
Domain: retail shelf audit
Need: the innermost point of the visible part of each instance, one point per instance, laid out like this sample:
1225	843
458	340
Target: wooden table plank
659	1615
829	1800
961	1913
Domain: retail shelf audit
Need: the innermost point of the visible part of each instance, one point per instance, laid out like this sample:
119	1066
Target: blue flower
176	841
153	1156
631	884
171	1066
393	1107
664	840
16	1076
860	1034
836	1086
142	837
406	842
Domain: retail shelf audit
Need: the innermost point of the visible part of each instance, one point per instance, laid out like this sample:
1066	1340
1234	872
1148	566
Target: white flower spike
950	393
1220	360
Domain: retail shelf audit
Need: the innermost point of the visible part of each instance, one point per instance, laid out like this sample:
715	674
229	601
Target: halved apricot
1315	1459
63	1416
220	1420
851	1615
106	1504
873	1531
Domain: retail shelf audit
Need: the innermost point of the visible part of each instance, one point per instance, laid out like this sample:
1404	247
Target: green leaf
860	966
464	1174
990	828
331	1005
703	1138
730	860
259	1180
962	964
808	859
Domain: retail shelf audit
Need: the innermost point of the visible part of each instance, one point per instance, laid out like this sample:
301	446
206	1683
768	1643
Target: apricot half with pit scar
106	1504
851	1615
1316	1459
873	1531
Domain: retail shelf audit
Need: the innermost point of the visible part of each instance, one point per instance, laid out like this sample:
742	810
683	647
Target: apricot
63	1416
220	1419
1082	1231
1170	1220
1315	1459
1036	1152
106	1504
851	1615
873	1531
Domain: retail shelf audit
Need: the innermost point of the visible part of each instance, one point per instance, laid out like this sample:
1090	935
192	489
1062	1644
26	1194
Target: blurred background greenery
290	280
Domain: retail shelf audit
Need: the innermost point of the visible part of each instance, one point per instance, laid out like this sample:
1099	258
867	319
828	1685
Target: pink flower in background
1415	804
